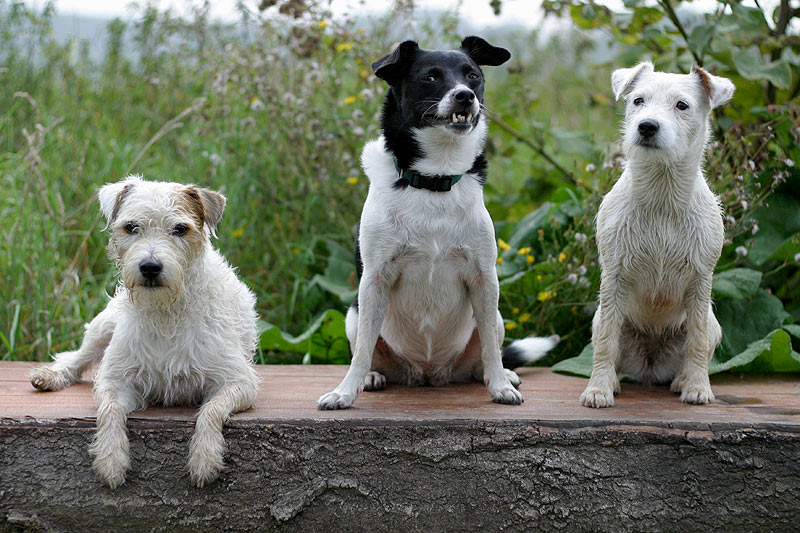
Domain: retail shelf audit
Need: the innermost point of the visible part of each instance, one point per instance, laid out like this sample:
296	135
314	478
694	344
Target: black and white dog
428	293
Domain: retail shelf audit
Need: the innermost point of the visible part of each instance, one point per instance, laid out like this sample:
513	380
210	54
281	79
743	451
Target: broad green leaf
324	341
752	66
746	320
778	223
339	274
525	231
577	366
700	38
736	283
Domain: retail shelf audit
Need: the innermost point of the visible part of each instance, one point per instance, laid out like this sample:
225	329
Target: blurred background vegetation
273	109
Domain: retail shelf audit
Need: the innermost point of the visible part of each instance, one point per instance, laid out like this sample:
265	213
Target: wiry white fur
190	342
429	277
659	234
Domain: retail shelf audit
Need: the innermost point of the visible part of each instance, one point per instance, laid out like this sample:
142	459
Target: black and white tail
527	350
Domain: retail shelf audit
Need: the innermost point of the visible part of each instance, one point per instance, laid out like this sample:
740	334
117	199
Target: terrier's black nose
464	96
150	269
648	128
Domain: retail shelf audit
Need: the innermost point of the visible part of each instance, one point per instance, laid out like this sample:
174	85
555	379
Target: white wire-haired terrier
659	234
180	330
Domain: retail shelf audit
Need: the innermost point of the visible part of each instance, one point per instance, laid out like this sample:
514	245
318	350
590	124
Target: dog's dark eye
638	101
430	77
683	106
180	230
473	76
131	228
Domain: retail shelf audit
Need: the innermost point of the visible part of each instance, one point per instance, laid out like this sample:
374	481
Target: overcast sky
477	12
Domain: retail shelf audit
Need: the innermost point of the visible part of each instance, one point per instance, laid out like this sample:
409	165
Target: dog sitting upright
660	234
180	330
428	292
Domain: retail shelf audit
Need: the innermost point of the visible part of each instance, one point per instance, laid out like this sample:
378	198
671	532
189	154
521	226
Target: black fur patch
359	264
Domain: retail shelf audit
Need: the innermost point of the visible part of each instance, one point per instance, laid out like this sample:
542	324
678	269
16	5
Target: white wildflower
730	220
359	131
580	237
256	105
581	270
572	279
741	251
751	164
754	229
366	94
590	167
745	205
797	258
789	163
584	283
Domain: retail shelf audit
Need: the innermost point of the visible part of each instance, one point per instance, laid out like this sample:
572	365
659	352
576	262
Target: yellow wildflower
295	251
238	232
344	47
503	245
363	73
561	257
359	61
352	180
540	232
524	317
350	100
499	260
546	296
539	277
511	325
530	259
573	308
515	310
524	251
322	24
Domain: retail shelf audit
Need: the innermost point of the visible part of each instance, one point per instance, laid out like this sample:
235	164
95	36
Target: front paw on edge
335	400
597	397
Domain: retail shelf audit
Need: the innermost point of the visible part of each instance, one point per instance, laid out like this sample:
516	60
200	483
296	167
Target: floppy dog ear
391	67
624	79
484	53
213	207
719	90
111	196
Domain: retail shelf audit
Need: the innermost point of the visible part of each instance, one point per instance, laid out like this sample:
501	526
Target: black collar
421	181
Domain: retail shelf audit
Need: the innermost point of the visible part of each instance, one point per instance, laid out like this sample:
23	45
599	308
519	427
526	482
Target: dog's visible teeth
469	117
454	118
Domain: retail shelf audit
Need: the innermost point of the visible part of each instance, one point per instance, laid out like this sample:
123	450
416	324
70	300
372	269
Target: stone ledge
444	459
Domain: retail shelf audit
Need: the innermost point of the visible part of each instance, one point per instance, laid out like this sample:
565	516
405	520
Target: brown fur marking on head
705	80
214	204
190	201
118	201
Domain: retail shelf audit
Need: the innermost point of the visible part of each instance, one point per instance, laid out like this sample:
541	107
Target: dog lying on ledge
180	330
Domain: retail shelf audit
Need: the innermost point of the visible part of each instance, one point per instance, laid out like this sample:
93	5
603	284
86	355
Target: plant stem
538	148
674	18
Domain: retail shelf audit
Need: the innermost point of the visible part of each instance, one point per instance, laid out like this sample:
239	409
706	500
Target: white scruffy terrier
180	330
659	234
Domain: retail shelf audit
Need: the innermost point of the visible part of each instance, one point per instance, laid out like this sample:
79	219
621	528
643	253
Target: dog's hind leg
208	446
67	367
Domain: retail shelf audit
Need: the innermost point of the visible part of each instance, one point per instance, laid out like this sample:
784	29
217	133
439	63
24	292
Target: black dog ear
392	67
484	53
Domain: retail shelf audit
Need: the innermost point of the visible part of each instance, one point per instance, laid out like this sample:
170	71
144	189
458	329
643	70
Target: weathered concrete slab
444	459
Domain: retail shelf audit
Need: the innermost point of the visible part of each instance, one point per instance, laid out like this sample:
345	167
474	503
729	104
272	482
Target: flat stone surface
289	394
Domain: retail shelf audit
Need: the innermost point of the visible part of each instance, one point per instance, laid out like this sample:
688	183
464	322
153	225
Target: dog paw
45	378
206	459
513	377
110	469
374	381
693	389
506	393
597	397
335	400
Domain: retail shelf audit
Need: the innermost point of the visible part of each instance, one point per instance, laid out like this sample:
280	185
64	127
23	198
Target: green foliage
275	114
